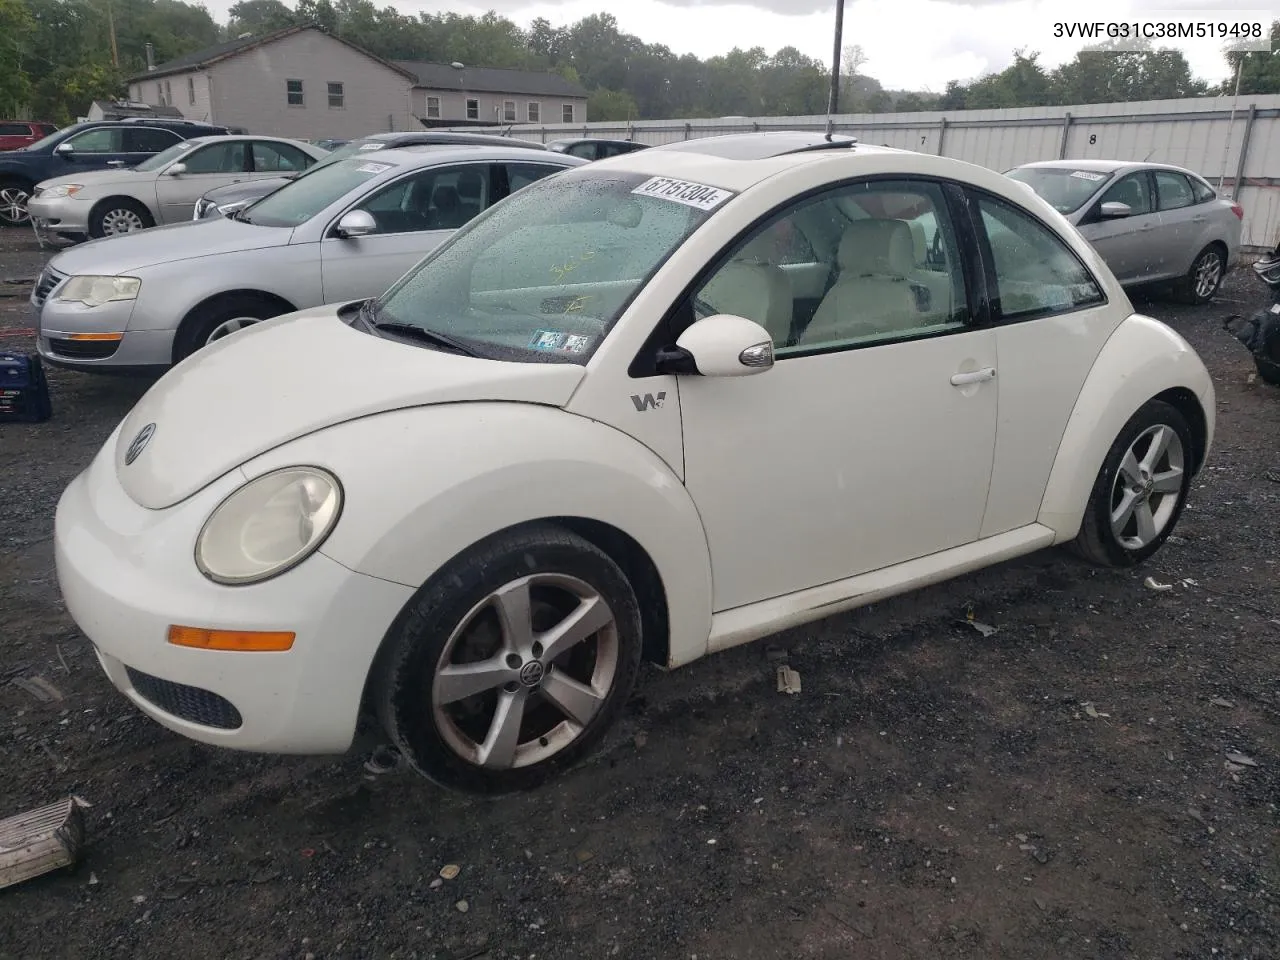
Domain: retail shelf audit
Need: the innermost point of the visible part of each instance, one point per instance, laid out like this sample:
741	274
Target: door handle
977	376
1200	219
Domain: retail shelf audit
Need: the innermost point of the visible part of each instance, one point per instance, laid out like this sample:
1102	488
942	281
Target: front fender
1141	359
421	485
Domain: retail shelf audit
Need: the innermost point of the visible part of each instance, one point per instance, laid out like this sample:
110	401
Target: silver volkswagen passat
145	301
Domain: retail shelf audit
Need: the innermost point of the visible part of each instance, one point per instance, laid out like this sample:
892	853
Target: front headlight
95	291
269	525
61	190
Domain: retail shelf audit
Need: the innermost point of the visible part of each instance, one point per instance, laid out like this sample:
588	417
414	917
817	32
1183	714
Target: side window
149	139
1203	192
14	130
1173	190
880	292
1037	274
217	158
520	175
278	157
99	140
439	199
587	151
1135	190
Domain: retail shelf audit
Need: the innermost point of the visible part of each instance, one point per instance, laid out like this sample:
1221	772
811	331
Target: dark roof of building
116	111
198	59
444	76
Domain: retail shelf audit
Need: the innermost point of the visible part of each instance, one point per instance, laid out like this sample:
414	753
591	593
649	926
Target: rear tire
1141	489
465	687
222	317
1205	277
14	195
118	215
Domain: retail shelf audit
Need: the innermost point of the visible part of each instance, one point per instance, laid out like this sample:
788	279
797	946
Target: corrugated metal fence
1235	142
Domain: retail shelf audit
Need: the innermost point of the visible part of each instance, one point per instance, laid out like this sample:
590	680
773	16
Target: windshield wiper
423	334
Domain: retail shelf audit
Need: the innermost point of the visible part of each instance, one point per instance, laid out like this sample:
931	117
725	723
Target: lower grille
187	703
49	279
84	349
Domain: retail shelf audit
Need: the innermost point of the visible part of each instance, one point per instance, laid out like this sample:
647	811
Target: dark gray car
236	196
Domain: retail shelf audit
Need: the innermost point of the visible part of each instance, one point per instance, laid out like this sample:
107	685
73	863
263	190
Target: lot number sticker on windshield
1089	175
373	167
697	195
371	146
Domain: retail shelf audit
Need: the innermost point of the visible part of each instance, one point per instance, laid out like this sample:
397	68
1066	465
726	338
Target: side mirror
724	346
175	169
1114	209
65	149
356	223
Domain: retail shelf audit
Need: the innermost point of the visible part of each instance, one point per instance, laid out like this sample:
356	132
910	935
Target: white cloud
910	44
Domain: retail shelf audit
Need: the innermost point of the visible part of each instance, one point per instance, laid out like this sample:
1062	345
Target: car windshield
299	200
544	274
1065	189
354	148
165	157
48	141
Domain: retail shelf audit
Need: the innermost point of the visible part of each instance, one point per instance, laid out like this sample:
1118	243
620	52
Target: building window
509	111
566	113
159	94
473	109
168	94
191	90
433	107
534	112
294	90
335	96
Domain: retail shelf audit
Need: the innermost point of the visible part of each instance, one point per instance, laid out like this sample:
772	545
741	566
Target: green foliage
56	56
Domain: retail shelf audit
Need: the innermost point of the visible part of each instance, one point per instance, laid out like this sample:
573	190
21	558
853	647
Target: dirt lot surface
1057	789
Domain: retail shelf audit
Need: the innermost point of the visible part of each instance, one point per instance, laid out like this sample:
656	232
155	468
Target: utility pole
111	26
833	104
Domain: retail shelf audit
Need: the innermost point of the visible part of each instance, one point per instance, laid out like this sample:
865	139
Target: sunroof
761	146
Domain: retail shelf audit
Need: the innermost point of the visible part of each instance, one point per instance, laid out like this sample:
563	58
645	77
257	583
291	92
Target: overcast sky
910	44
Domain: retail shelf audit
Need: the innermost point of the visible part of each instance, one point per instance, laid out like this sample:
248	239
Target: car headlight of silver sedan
269	525
61	190
95	291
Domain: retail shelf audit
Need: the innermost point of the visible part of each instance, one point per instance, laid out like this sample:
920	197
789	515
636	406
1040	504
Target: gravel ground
932	793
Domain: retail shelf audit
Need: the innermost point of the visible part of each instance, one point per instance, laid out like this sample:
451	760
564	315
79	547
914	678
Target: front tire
14	195
221	318
510	665
1205	277
1141	489
118	216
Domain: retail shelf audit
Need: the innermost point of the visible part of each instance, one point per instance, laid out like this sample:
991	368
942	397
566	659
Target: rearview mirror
725	345
356	223
1114	209
176	169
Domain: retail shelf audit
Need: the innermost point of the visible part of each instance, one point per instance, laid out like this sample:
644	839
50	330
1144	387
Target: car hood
118	255
248	189
96	178
282	379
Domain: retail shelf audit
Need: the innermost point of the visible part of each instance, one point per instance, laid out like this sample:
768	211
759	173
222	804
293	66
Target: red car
16	134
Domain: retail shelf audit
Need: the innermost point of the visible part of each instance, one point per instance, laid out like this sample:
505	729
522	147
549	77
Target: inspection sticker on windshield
560	342
372	167
371	146
1089	175
682	191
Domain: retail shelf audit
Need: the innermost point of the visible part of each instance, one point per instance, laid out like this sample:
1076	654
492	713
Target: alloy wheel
1208	275
121	220
228	327
525	671
13	204
1147	487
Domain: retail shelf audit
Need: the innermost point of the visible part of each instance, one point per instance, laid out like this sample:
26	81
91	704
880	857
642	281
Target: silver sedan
163	188
341	233
1151	222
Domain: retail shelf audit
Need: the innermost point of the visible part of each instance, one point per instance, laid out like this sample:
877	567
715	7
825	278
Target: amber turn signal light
243	640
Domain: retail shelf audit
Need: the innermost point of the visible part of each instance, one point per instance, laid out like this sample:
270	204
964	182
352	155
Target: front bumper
128	573
84	338
60	214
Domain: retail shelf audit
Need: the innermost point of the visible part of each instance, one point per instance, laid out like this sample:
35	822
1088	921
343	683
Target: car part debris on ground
40	841
788	680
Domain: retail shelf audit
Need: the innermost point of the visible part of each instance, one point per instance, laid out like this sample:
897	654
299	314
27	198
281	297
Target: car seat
751	286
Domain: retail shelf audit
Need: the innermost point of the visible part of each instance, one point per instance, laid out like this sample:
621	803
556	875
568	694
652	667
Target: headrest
446	198
876	248
470	184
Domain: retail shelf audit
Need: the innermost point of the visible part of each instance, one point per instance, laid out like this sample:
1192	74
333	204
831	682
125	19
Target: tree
258	16
611	105
1260	73
16	27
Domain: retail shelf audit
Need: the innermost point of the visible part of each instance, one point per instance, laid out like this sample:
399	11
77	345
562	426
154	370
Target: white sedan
648	408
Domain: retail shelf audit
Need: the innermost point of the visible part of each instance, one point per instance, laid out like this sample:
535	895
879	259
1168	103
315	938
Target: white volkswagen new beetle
652	407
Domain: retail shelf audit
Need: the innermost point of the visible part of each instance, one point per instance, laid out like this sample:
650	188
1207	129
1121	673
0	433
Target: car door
206	168
143	142
414	214
92	149
1183	222
1051	321
870	441
273	159
1128	244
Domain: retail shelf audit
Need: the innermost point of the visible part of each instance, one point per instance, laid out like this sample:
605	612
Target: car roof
1103	166
442	137
740	161
221	137
426	154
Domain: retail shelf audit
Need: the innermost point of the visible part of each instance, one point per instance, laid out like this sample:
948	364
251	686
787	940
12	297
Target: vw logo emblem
139	443
531	673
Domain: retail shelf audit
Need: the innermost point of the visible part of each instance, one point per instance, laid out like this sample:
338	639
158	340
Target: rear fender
1142	359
